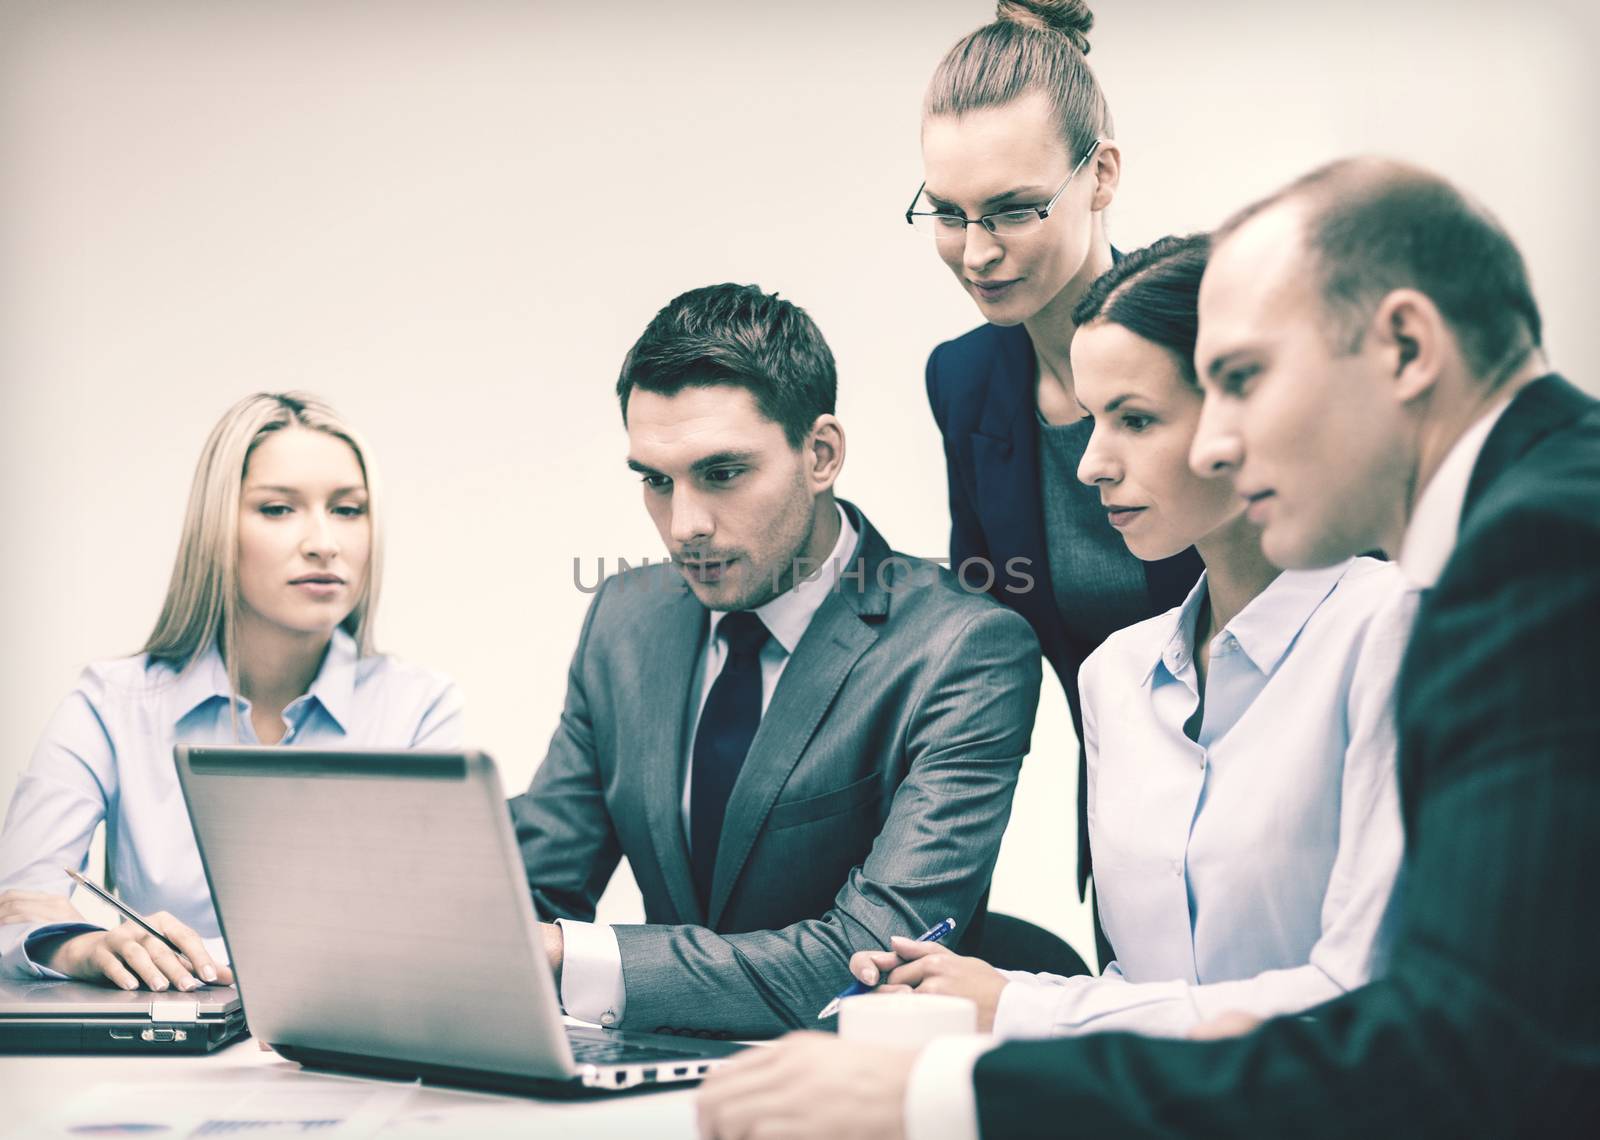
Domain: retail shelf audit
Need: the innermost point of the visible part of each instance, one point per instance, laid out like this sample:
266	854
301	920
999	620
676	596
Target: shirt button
608	1018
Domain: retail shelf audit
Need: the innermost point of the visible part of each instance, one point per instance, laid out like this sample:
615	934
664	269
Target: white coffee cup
906	1020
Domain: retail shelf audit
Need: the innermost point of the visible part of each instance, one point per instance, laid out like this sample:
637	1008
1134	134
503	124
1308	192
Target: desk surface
36	1087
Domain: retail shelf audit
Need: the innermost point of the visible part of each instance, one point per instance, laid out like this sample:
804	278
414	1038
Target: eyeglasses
948	228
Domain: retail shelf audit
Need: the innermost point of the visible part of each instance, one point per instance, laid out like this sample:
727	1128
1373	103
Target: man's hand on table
808	1085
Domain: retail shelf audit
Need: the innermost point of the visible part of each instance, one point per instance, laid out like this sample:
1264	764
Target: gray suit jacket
871	803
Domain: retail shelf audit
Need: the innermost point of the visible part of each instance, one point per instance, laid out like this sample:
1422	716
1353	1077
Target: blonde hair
202	604
1032	45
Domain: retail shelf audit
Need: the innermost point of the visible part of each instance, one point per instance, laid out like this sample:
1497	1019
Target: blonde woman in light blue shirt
1242	803
265	638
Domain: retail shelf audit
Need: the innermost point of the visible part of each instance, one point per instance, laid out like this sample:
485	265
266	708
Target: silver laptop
78	1017
378	917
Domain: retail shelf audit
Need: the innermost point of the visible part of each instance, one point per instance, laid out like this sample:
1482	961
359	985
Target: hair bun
1071	18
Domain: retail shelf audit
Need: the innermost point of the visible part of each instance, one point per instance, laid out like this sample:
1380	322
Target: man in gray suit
803	742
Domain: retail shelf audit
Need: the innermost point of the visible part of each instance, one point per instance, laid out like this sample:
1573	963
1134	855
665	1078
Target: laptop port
681	1071
122	1035
647	1075
159	1034
621	1076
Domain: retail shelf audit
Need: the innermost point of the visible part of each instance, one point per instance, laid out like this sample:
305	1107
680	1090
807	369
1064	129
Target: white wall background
451	219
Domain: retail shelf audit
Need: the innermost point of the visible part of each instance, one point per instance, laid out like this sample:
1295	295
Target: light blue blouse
1252	869
107	755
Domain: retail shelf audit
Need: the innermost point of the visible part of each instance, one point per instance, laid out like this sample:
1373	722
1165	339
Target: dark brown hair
1154	293
1374	225
1032	45
737	335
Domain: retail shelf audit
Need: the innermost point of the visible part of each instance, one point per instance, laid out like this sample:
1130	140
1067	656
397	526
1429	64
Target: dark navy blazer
983	388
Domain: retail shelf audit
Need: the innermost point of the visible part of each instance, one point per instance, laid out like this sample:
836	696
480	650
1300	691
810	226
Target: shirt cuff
1027	1009
941	1102
591	973
19	960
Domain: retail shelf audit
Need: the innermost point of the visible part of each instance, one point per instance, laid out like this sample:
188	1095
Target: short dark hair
1375	225
1154	293
737	335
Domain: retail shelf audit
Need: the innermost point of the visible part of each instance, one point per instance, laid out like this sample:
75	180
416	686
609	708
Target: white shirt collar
1431	534
1264	630
789	614
203	677
334	686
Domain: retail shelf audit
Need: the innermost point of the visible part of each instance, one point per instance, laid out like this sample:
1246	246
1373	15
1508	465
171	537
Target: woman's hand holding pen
129	956
125	956
932	968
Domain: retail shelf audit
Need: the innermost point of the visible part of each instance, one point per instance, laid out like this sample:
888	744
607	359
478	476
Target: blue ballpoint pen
936	933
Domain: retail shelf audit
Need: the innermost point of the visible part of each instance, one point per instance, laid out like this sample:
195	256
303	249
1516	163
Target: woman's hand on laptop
129	956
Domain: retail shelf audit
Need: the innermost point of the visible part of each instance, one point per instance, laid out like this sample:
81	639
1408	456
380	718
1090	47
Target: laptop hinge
170	1011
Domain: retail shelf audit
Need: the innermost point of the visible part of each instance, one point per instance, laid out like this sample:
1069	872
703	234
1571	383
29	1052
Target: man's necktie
728	724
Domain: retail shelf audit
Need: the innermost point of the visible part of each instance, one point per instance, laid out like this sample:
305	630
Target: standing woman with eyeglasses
1020	164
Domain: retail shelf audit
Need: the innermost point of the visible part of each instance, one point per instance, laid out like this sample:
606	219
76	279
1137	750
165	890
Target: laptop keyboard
619	1053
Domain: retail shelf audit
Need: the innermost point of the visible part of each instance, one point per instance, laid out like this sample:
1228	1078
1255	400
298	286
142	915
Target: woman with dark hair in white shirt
1242	804
265	638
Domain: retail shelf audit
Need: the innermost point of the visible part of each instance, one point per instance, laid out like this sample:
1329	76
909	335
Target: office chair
1011	943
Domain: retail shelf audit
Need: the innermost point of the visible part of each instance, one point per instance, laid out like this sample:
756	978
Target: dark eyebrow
721	459
1120	400
1218	363
700	466
993	199
1023	192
